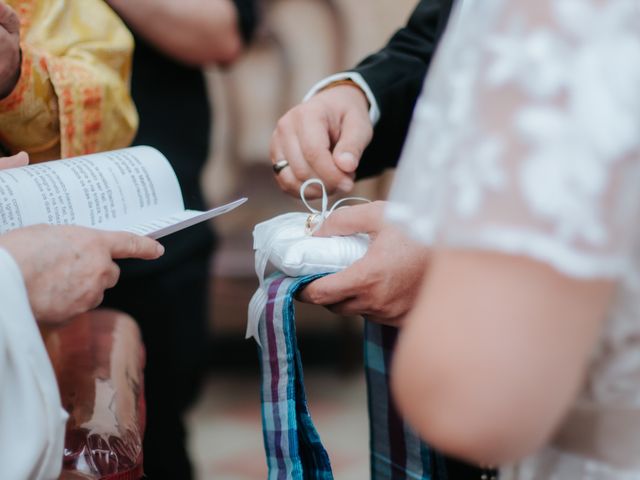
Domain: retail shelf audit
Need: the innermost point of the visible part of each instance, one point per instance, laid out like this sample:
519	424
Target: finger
284	147
367	218
315	145
291	178
97	301
355	135
111	276
333	288
358	306
312	192
396	322
286	179
298	164
8	19
128	245
349	307
18	160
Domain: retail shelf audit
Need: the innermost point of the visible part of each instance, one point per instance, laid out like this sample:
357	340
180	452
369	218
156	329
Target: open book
134	189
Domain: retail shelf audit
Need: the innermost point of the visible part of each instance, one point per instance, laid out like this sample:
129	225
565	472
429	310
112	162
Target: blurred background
298	43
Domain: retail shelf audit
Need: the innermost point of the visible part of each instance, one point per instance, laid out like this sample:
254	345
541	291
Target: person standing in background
174	40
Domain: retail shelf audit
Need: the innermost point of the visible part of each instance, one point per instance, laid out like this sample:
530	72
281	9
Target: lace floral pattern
526	140
528	134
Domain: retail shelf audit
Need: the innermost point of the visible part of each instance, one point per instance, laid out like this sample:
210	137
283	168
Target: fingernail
160	250
346	185
347	161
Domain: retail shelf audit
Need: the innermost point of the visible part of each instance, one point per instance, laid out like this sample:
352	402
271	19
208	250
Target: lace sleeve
526	139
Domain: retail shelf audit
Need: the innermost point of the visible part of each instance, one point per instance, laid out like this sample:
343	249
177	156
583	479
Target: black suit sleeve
247	17
395	75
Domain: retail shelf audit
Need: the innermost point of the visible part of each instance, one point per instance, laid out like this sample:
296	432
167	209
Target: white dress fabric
32	421
526	140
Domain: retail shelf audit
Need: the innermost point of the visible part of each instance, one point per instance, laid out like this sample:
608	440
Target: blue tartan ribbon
396	450
292	444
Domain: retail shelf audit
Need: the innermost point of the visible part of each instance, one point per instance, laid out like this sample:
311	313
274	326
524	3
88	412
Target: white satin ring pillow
294	252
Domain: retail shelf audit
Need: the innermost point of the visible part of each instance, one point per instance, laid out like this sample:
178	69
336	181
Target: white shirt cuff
374	111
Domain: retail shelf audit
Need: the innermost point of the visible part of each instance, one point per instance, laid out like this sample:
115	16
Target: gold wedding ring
279	166
310	224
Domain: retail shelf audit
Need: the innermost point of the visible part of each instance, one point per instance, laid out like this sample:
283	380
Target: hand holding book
66	269
129	194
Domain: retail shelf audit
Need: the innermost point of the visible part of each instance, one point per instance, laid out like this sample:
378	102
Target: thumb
355	135
333	288
18	160
344	221
127	245
8	19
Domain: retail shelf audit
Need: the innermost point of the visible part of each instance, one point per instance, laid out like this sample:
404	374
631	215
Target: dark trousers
171	308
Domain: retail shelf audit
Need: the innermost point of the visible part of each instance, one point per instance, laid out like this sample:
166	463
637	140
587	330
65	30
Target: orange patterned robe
73	94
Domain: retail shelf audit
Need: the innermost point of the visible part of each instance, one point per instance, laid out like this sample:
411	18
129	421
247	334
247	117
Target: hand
9	49
323	138
384	284
66	269
18	160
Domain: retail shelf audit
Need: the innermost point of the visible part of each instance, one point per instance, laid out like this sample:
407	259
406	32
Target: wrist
347	83
347	88
354	81
13	242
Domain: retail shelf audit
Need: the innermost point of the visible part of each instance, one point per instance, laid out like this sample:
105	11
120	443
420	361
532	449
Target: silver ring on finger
279	166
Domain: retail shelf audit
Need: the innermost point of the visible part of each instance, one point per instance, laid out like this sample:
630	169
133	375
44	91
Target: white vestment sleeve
32	421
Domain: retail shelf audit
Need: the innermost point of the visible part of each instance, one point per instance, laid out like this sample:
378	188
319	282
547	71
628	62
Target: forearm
501	344
192	31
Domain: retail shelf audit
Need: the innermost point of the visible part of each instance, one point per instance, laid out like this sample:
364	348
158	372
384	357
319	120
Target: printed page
110	190
164	226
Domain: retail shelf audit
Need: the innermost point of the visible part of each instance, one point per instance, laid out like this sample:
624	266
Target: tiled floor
226	436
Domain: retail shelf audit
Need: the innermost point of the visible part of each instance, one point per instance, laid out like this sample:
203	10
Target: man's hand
66	269
18	160
9	49
383	284
323	138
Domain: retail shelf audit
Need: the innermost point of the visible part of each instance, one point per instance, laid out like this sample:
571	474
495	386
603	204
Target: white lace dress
526	140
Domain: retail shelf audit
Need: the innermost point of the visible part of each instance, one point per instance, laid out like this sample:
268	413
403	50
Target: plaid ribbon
291	441
293	447
396	451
